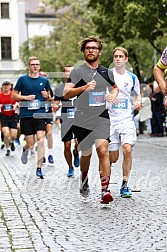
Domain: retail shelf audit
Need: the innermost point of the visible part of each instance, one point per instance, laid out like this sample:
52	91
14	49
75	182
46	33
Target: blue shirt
32	86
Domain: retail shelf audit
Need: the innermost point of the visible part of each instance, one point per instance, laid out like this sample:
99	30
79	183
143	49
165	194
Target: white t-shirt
129	86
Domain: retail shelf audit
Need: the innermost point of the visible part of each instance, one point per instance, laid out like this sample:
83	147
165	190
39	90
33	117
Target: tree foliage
73	23
139	26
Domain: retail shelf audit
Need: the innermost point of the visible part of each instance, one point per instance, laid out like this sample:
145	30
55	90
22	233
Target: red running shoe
106	197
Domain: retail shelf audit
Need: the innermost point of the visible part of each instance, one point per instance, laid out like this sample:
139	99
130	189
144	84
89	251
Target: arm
113	93
137	102
159	77
17	96
70	91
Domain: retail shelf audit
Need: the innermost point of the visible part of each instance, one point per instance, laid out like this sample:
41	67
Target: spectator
158	108
145	113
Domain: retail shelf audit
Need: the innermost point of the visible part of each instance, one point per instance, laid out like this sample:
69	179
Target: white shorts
121	134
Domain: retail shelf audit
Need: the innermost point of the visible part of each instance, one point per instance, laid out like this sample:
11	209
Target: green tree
138	25
73	22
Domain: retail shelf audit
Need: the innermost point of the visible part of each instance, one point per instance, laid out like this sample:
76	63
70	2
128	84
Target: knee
49	134
67	147
40	142
114	156
102	153
127	150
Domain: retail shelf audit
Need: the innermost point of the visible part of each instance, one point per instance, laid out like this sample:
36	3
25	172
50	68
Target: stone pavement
49	215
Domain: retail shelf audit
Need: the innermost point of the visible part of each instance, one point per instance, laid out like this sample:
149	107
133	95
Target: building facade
19	21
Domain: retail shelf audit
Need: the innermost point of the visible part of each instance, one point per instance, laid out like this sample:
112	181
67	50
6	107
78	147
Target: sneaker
50	160
125	192
44	160
106	197
8	153
76	160
84	190
70	172
32	153
24	157
12	147
2	145
39	173
17	141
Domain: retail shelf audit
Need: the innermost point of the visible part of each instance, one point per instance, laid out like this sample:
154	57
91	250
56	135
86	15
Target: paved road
49	215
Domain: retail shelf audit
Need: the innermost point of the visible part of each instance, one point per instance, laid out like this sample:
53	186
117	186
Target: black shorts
9	121
49	117
90	128
30	125
67	128
49	121
67	134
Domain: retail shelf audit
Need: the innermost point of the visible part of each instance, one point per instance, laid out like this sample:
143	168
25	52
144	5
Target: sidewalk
49	215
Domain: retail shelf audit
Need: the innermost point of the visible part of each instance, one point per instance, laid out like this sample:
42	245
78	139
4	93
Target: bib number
8	107
96	98
35	104
122	104
70	112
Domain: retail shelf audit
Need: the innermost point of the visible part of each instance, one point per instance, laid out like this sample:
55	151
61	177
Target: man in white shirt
123	131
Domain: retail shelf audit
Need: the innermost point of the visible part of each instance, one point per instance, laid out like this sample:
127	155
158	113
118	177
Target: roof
34	8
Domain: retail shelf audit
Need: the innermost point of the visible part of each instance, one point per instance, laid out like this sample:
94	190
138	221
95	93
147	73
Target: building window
6	48
4	10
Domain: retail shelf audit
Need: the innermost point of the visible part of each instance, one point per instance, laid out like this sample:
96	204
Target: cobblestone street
50	215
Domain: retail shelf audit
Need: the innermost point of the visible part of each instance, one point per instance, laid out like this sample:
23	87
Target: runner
9	119
89	83
123	131
32	90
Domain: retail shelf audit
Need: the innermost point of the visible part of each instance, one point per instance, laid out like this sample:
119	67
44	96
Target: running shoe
39	173
44	160
76	160
12	147
17	141
70	172
2	145
106	197
32	153
84	190
125	192
24	156
50	160
7	153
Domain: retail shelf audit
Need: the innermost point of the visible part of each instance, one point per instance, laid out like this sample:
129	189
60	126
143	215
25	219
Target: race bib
47	105
97	98
35	104
8	107
70	112
122	104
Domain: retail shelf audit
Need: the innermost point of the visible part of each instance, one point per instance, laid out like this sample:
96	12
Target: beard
91	58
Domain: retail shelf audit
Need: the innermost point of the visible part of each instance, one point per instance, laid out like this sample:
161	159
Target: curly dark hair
91	38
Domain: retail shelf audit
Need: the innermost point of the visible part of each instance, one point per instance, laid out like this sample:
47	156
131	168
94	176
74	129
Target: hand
111	98
163	86
44	93
90	85
55	106
30	97
137	105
